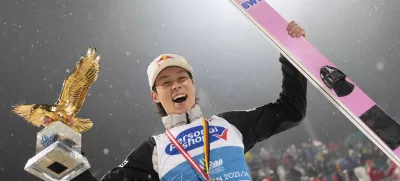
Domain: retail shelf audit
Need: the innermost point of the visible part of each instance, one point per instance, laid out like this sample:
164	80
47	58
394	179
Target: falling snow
380	66
125	143
106	151
127	94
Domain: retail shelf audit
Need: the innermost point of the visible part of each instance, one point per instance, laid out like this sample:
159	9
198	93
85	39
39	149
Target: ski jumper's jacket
232	134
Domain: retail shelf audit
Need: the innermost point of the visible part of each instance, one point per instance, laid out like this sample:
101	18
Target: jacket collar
175	120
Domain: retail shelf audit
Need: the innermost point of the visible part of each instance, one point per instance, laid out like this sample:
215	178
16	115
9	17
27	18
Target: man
181	153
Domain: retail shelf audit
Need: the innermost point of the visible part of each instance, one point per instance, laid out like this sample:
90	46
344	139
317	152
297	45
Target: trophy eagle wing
33	113
77	84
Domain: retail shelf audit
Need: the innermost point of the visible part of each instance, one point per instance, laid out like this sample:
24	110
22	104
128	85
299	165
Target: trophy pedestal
58	157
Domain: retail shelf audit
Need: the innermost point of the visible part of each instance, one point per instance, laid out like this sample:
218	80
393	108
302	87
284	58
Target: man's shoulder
221	117
150	141
145	147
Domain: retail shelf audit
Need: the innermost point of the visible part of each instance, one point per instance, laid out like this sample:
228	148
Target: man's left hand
295	30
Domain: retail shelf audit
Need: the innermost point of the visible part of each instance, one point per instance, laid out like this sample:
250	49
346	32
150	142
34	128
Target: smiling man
196	148
163	73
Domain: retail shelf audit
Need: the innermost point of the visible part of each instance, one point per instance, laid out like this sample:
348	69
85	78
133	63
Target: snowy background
235	66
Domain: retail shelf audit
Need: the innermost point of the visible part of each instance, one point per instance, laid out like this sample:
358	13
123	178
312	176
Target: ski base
357	106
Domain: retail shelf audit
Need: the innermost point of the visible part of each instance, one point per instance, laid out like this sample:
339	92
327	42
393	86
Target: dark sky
235	66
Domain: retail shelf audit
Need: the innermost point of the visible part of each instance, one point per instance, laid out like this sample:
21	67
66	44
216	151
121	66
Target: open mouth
179	98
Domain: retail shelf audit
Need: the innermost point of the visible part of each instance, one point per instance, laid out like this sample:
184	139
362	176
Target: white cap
163	61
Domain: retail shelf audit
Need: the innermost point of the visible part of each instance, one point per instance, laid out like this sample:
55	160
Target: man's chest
226	151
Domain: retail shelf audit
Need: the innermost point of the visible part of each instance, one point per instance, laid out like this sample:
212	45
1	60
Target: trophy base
57	162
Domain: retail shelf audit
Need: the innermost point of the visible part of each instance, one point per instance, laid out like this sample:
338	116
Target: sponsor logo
192	138
249	3
216	166
163	59
123	163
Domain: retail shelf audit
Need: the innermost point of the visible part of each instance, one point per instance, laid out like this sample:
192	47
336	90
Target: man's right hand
46	121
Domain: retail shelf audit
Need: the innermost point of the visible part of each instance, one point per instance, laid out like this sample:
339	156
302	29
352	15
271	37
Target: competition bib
202	150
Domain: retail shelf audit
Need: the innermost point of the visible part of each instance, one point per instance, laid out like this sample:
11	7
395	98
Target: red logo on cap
164	57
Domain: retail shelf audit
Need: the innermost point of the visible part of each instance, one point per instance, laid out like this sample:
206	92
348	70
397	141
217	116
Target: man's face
175	90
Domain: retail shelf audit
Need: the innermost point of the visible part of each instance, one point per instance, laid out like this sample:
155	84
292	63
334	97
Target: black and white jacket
253	125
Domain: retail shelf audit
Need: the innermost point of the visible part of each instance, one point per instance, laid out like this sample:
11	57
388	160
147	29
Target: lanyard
206	172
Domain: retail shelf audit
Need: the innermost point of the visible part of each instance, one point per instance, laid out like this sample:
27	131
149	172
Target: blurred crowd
317	161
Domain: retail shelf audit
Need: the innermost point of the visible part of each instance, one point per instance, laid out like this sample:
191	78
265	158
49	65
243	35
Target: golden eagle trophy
58	146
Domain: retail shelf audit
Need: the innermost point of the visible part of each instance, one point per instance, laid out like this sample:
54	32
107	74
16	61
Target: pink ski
357	106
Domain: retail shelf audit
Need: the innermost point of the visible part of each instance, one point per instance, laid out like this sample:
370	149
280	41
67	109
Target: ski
357	106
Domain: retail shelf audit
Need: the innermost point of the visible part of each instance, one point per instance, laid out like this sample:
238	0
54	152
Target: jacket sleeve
287	112
137	166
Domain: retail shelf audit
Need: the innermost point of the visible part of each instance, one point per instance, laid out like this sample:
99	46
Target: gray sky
235	66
